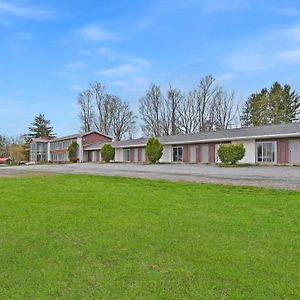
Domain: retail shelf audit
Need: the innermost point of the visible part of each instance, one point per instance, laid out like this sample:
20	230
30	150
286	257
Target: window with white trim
266	152
177	154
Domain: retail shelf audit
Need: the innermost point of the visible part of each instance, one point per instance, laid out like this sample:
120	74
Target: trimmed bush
107	153
231	153
154	150
72	152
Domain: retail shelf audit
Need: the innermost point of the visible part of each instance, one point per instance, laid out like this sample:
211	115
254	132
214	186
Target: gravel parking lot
263	176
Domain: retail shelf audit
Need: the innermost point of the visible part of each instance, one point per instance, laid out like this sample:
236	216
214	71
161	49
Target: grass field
89	237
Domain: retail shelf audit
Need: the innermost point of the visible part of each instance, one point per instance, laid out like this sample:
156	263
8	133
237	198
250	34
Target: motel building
56	150
273	144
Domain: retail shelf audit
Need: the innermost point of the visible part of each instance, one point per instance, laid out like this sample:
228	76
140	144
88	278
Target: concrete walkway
262	176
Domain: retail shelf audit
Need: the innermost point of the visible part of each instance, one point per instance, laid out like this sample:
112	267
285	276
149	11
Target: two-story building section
56	150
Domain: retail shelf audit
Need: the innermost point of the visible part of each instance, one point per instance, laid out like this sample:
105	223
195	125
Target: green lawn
91	237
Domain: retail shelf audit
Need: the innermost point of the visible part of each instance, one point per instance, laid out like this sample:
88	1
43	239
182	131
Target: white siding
48	152
143	154
85	156
94	156
119	155
81	156
295	151
250	155
167	154
192	154
136	154
204	153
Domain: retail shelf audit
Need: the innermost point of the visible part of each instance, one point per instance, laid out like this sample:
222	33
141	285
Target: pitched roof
77	135
40	140
260	132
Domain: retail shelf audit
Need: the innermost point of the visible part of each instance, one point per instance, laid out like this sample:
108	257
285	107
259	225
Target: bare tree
4	146
109	114
123	119
205	91
103	114
170	111
188	113
86	113
224	109
150	110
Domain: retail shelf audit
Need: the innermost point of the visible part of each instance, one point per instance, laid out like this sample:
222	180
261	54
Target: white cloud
221	5
84	52
75	66
108	54
120	70
119	83
24	12
226	77
248	62
290	55
97	33
268	49
71	70
113	56
292	32
137	60
75	88
204	5
288	10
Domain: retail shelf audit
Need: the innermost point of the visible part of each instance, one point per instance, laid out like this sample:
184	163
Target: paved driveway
264	176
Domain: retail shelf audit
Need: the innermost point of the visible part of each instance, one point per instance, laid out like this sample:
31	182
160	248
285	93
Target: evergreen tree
279	105
40	128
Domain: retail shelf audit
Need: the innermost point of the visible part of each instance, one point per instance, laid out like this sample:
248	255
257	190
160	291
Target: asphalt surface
283	177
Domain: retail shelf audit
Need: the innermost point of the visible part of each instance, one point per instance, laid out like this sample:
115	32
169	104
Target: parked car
4	160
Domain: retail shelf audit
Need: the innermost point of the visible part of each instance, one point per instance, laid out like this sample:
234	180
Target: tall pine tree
40	128
278	105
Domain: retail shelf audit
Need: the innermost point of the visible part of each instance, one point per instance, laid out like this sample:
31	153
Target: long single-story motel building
273	144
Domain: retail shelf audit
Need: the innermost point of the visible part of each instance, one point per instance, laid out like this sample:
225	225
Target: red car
4	160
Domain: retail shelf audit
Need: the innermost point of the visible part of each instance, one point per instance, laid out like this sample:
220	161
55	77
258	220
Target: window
265	152
126	154
177	154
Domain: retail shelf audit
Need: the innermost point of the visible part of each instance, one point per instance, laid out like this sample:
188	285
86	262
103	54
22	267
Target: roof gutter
203	141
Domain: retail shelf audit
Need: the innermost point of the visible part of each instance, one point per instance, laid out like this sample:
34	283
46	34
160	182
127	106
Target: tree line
206	107
14	148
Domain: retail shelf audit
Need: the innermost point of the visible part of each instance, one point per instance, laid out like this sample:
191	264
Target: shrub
231	153
107	153
72	152
154	150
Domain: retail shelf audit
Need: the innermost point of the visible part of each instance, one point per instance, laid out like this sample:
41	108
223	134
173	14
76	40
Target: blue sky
50	50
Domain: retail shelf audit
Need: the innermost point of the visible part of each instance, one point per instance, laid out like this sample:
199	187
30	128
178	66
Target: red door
140	154
132	150
186	153
198	153
283	151
211	153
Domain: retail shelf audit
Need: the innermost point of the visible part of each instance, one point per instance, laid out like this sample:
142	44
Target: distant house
273	144
56	150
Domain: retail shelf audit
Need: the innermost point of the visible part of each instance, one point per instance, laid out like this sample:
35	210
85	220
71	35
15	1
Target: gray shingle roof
77	135
40	140
261	132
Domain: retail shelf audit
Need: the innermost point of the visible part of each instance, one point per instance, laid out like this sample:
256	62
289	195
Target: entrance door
211	153
283	151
